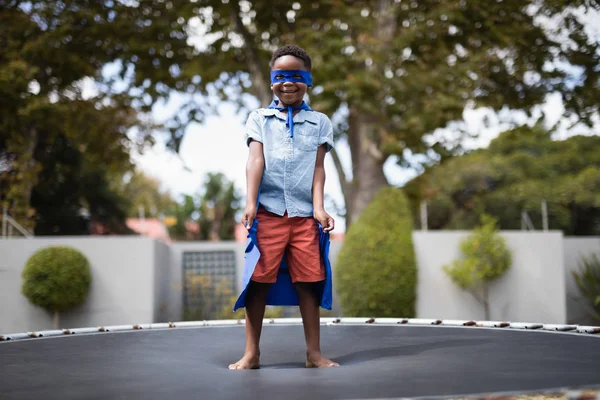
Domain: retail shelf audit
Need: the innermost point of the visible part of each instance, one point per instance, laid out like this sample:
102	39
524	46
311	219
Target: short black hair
292	50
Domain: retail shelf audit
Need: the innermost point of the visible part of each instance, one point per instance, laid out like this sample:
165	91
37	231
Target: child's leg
309	309
255	311
306	269
272	236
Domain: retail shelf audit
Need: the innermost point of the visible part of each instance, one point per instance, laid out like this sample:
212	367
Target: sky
218	145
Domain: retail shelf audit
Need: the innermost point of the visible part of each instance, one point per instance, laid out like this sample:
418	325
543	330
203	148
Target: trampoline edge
473	324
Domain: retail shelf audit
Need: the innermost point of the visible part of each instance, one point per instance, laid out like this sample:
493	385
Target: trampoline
380	358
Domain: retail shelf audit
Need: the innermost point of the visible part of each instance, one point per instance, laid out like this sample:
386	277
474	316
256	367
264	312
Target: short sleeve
253	128
326	133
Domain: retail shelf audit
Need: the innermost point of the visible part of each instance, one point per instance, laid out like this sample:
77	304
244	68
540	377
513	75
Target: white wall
139	280
575	247
122	290
162	281
533	290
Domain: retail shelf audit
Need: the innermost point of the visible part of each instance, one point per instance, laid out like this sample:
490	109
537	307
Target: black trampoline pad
378	361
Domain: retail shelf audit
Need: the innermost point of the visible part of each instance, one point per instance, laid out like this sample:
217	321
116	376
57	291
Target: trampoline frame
556	328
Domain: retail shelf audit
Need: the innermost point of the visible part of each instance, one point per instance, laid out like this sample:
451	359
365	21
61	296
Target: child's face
289	93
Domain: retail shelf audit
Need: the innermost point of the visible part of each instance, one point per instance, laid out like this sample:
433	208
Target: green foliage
520	168
213	210
131	53
56	278
144	191
218	205
376	273
485	259
395	72
588	282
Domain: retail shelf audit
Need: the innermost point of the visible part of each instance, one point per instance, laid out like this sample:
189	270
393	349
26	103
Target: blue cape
282	292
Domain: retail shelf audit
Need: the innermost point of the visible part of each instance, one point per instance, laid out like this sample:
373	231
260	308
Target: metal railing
526	223
9	225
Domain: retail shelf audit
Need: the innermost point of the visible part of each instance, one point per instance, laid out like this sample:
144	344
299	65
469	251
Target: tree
57	279
50	47
485	259
79	151
145	192
213	210
218	205
183	212
521	168
397	71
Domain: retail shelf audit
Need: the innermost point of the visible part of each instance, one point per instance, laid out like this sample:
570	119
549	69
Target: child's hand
249	215
325	219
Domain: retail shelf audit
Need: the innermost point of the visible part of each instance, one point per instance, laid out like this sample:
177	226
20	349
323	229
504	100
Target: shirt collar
302	116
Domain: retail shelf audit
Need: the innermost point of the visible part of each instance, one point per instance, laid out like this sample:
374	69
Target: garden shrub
56	278
485	258
376	272
588	282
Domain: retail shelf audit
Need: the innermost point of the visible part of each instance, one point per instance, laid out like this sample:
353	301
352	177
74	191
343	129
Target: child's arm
254	170
318	188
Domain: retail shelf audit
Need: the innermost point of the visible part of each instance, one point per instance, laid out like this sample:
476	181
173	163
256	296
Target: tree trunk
55	319
367	165
363	136
486	303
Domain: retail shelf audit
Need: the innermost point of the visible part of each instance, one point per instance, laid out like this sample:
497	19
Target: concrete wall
575	247
162	281
533	290
123	285
139	280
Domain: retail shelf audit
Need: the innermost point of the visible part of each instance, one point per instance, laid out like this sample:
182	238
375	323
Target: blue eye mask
280	76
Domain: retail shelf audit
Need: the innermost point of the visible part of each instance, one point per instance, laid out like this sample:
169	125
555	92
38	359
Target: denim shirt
289	162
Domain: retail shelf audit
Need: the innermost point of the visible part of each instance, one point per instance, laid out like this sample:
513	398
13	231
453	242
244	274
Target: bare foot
246	362
318	361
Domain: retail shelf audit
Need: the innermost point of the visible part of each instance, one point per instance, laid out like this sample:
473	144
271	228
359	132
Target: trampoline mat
378	361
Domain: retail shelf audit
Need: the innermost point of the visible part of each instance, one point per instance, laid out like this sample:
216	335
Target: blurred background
465	181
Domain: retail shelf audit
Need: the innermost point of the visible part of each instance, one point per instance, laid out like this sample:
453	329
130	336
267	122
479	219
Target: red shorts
297	238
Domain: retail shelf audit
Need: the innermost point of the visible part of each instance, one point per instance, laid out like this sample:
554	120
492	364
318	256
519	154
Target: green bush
485	259
57	279
376	273
588	282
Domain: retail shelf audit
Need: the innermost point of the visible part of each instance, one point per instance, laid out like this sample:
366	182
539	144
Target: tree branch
257	75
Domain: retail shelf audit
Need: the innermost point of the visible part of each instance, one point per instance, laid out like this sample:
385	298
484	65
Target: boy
284	207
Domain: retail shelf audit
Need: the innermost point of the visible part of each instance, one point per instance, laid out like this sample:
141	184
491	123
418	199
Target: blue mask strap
290	113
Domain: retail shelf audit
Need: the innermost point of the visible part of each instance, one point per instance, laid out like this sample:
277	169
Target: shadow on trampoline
364	356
